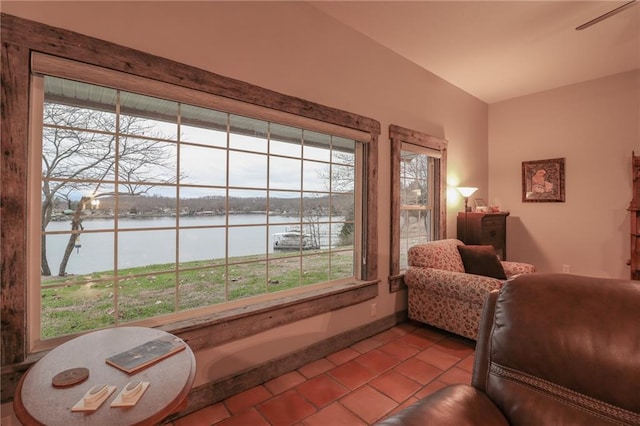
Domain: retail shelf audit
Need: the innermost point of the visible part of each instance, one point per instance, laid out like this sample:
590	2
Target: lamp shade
466	191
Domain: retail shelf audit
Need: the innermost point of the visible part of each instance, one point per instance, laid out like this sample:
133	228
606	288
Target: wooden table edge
26	419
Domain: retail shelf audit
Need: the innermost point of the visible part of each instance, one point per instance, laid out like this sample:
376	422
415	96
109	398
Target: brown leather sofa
553	349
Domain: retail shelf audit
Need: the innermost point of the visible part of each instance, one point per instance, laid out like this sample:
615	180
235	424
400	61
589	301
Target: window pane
248	134
77	154
247	170
203	206
315	217
342	264
343	151
342	178
90	205
247	240
203	126
248	206
284	273
414	180
343	207
315	176
147	161
147	251
285	204
316	203
246	280
75	308
200	247
284	173
416	227
316	268
89	253
203	165
146	116
317	146
146	296
285	141
201	287
343	232
152	203
79	105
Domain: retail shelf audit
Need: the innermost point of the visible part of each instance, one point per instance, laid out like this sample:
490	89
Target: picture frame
479	202
543	181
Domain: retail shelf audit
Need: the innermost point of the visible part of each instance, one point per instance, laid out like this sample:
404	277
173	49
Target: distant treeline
325	204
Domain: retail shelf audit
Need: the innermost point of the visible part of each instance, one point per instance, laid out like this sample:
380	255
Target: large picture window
152	206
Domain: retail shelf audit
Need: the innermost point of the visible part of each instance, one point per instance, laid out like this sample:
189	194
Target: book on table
146	354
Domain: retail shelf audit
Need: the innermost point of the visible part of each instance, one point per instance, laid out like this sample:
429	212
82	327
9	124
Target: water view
147	245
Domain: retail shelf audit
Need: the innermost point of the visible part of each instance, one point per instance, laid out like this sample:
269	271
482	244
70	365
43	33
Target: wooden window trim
20	38
399	135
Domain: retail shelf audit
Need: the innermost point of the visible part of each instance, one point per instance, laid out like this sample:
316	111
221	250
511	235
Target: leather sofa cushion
459	405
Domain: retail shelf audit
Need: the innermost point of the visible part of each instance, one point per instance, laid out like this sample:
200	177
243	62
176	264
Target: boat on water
293	240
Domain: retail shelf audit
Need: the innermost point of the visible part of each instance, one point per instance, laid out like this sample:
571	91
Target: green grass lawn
79	303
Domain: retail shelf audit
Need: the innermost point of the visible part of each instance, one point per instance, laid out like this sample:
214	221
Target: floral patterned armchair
442	294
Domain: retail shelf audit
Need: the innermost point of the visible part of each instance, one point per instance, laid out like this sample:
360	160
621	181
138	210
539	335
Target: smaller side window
418	173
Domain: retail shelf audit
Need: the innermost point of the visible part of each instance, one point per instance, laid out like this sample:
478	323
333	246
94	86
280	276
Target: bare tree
312	226
79	154
340	180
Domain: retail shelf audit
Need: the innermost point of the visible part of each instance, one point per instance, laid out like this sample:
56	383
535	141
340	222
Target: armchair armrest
516	268
460	405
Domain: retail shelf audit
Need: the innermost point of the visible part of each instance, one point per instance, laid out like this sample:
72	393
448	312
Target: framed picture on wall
543	181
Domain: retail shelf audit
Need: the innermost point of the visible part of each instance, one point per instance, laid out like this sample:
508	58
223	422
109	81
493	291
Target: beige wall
295	49
595	126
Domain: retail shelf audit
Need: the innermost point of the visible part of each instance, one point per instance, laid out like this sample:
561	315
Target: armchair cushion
439	254
481	260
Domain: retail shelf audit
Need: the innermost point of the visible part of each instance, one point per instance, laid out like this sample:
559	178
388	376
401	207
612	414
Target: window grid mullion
116	221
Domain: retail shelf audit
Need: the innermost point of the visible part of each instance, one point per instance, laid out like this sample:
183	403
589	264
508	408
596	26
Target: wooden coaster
70	377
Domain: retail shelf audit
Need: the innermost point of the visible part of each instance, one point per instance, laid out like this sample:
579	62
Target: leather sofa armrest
460	405
515	268
481	362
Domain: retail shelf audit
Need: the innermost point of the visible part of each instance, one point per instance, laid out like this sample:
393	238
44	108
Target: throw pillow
481	260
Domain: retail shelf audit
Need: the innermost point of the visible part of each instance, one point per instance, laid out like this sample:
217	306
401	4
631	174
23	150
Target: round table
37	401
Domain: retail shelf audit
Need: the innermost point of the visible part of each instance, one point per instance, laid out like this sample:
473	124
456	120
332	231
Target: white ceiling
497	50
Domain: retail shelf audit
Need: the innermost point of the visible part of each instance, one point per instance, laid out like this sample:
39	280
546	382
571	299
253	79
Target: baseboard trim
219	390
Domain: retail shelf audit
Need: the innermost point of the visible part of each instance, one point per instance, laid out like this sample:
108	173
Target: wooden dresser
484	228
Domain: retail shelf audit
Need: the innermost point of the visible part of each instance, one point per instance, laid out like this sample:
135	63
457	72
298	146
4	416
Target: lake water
144	245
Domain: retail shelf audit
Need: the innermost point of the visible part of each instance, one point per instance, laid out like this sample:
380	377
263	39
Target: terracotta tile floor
358	385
